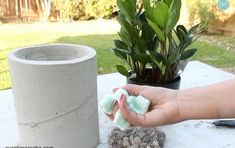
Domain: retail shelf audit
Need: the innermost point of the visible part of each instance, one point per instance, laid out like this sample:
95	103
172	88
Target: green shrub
85	9
200	11
106	8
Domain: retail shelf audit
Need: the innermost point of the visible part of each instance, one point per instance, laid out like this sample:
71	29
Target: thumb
134	90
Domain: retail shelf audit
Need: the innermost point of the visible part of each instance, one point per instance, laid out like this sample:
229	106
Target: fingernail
115	89
122	97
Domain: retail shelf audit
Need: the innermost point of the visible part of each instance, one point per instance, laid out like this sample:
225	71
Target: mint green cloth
137	104
118	93
107	104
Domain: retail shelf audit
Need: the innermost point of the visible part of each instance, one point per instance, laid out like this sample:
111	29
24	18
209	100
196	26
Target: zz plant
149	37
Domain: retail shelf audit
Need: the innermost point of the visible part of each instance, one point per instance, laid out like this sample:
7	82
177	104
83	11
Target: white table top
188	134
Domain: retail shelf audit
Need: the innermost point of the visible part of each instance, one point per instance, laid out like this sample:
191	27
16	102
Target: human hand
164	107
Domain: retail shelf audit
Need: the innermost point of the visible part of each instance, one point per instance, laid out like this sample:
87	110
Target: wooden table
188	134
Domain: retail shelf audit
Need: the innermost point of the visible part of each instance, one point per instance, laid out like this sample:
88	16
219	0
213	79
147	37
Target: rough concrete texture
55	95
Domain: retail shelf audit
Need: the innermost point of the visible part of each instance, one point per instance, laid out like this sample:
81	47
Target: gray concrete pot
55	95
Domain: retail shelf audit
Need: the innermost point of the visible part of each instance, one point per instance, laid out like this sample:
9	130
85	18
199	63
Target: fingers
131	117
115	89
132	89
115	108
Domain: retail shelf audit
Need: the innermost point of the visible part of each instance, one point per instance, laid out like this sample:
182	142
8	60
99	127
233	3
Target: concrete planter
55	95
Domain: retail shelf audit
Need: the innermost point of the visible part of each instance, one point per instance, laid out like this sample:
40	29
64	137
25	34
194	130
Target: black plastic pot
175	84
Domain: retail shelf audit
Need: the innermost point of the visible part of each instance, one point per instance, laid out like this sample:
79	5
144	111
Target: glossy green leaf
189	39
148	10
125	37
181	34
187	54
126	8
120	53
122	70
147	32
181	27
123	50
168	2
157	30
153	44
172	43
120	44
173	57
125	25
157	57
193	29
173	15
162	67
160	14
143	58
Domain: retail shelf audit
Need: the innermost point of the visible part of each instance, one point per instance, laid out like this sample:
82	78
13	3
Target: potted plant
151	43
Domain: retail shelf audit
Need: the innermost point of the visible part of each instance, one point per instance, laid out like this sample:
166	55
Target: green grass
103	44
12	38
214	55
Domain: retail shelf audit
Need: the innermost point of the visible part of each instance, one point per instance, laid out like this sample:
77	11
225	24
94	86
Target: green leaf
148	10
162	67
189	40
120	53
187	54
126	8
157	30
153	44
125	25
130	29
173	57
147	32
122	70
168	2
193	29
181	27
125	37
173	15
172	43
120	44
143	58
123	50
181	34
156	43
157	57
160	14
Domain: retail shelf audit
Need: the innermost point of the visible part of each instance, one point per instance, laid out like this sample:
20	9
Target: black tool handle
228	123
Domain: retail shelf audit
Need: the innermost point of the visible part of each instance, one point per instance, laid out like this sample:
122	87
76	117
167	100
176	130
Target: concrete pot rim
89	54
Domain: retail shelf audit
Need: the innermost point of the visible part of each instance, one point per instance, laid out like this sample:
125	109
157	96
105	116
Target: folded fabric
137	104
131	99
107	104
118	93
119	121
140	105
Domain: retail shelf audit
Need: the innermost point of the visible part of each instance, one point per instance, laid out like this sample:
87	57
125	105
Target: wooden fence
223	28
26	10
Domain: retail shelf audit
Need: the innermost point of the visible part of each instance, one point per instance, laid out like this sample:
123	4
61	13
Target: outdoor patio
59	60
196	133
